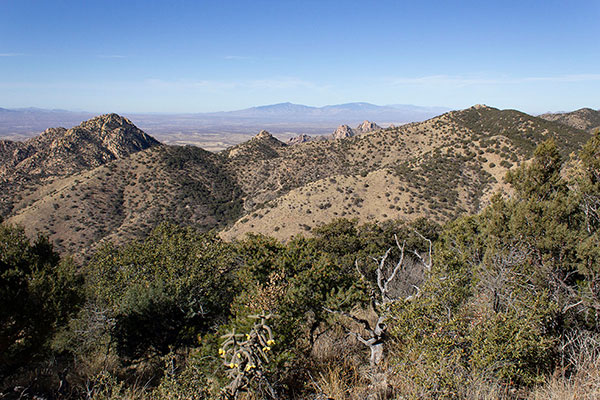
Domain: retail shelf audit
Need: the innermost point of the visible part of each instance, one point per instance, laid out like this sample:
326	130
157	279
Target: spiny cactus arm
262	353
228	350
265	339
261	341
245	356
262	317
266	328
228	344
231	338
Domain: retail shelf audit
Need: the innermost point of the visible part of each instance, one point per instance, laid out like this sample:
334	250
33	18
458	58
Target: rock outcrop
58	152
342	131
263	135
299	139
367	126
262	146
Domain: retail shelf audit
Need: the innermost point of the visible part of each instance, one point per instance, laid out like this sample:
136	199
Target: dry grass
580	378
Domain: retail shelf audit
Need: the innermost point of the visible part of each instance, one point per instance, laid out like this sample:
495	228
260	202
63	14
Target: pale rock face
58	151
299	139
343	131
266	138
367	126
263	135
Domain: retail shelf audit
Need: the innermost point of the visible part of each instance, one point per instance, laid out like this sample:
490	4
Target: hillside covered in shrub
499	304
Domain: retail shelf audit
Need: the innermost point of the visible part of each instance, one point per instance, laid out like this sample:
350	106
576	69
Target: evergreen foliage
510	299
38	295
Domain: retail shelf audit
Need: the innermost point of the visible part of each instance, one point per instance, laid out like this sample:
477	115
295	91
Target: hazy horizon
440	108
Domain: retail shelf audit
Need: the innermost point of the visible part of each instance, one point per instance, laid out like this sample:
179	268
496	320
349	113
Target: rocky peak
299	139
111	124
342	131
264	135
115	133
367	126
586	110
59	151
110	117
262	146
265	138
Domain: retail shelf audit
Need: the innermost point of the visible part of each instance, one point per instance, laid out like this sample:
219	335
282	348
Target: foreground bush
38	295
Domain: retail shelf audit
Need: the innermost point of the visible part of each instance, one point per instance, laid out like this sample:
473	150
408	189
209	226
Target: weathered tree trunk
376	342
376	354
376	337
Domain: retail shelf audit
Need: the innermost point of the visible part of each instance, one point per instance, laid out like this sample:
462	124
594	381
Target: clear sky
196	56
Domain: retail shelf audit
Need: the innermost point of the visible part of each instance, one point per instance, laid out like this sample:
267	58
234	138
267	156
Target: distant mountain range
349	112
282	118
219	130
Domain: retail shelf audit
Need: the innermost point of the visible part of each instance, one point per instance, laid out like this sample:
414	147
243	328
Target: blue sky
195	56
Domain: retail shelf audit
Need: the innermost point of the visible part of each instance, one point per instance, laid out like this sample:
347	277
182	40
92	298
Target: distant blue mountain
342	113
271	109
281	117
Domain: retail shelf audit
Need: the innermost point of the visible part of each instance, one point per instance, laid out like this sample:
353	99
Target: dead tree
381	299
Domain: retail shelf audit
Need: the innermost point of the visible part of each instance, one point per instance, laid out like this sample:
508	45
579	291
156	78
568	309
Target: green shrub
38	295
164	291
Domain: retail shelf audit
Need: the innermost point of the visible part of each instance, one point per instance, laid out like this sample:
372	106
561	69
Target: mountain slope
60	152
524	130
126	198
584	118
440	168
102	185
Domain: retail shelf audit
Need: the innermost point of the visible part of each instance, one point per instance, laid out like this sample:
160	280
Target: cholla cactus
245	356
